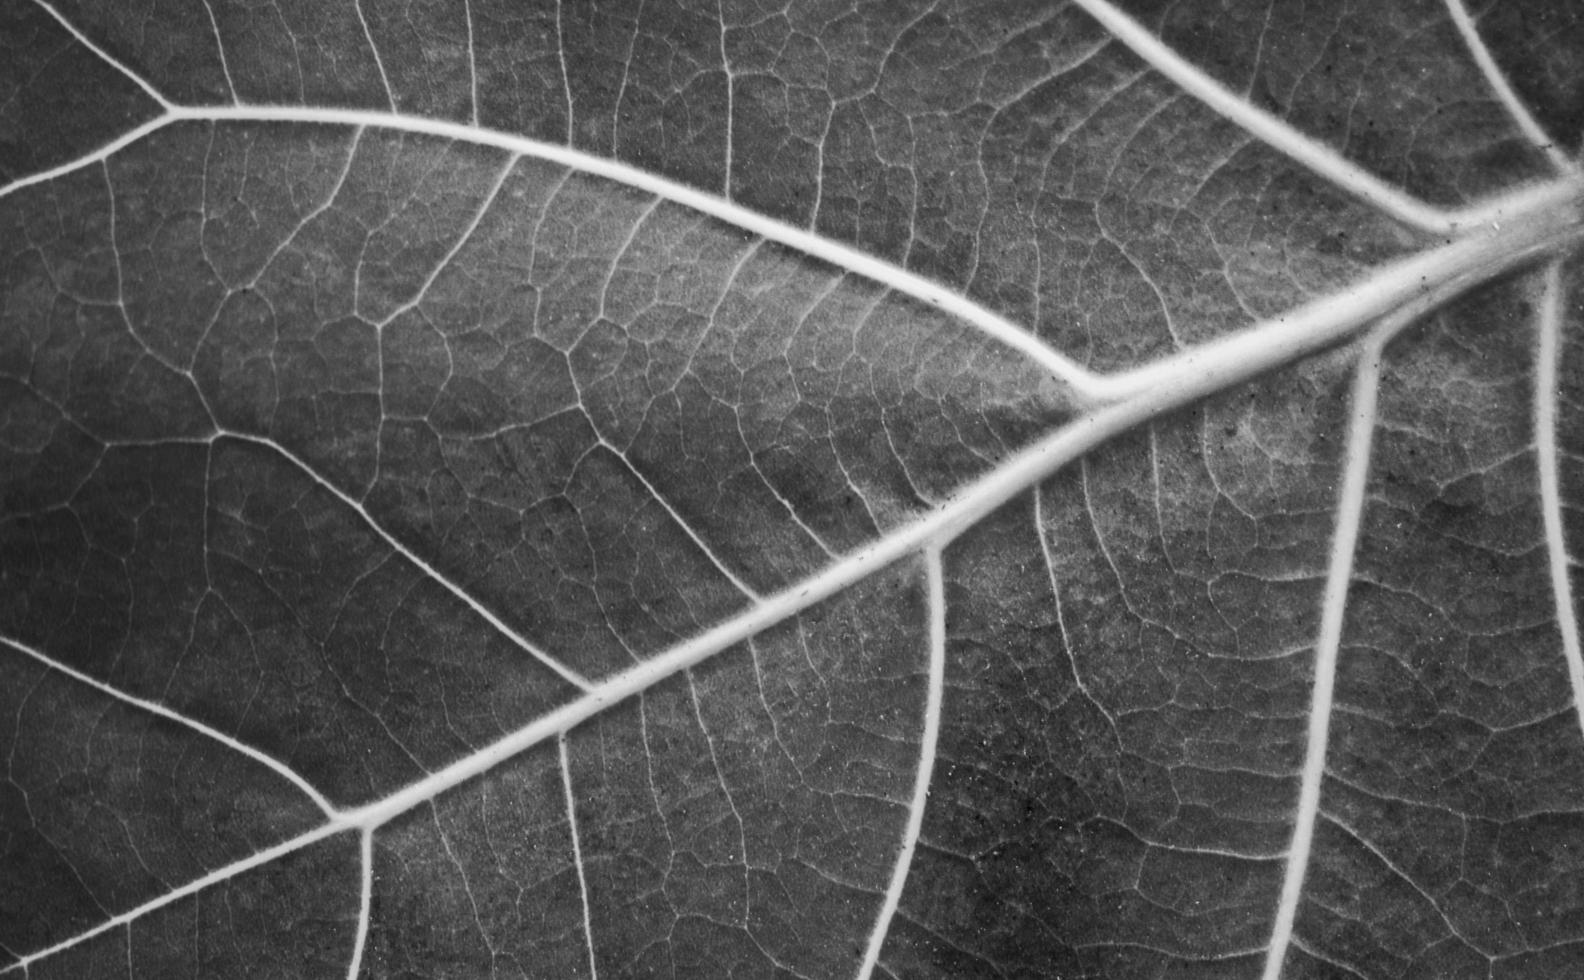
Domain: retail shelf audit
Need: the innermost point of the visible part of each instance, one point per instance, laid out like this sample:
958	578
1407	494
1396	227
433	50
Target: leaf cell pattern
810	490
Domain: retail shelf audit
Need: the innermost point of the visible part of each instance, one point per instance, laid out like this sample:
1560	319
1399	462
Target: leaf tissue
812	490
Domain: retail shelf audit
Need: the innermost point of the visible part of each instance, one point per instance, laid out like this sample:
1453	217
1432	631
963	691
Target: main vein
1344	542
1548	358
1402	292
1538	221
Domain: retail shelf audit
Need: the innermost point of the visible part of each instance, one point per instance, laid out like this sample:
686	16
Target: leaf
1008	489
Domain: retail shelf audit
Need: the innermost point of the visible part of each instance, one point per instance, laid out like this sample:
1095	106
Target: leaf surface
688	490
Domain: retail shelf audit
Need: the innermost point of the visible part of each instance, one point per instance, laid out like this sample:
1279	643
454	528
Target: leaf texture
894	490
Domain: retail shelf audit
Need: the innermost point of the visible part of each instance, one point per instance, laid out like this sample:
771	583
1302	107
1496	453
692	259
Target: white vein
1515	230
577	851
365	902
621	454
1565	193
467	13
1080	379
225	67
928	740
740	584
1339	969
566	80
1497	80
731	800
215	877
1547	368
1339	576
155	708
1534	203
113	62
1403	875
88	159
566	673
931	530
1266	127
390	93
1326	653
1061	615
726	181
1546	219
462	241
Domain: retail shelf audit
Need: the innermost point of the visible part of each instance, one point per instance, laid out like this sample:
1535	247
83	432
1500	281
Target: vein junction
1481	243
1549	223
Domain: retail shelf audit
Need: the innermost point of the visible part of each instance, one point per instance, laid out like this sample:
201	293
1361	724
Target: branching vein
154	708
926	766
379	63
1274	132
365	902
1522	227
1547	367
1497	80
461	242
1080	379
577	852
225	67
108	59
929	532
566	673
1344	542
